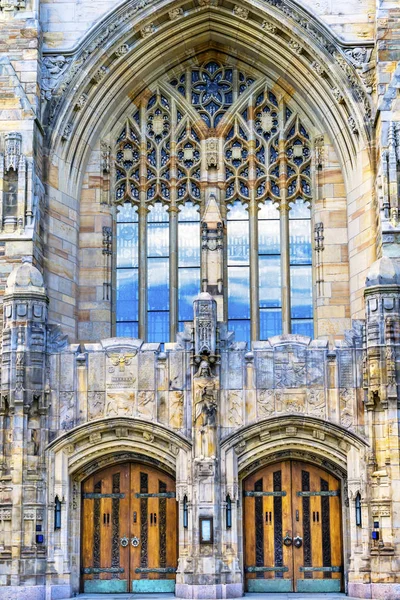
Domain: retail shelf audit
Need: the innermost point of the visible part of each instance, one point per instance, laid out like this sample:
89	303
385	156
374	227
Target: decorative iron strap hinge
331	493
159	495
266	569
92	570
155	570
94	496
324	569
257	494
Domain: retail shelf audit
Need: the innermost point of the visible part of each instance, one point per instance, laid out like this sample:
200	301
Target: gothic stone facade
208	410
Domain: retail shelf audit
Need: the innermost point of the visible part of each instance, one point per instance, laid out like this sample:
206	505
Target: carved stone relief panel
176	409
120	404
96	401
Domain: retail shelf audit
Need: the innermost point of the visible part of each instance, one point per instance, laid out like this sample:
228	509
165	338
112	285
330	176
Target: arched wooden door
292	529
129	530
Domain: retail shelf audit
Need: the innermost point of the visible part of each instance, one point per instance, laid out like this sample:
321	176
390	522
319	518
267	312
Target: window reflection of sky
188	260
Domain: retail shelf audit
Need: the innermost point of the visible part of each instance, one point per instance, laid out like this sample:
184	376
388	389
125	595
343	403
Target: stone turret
23	414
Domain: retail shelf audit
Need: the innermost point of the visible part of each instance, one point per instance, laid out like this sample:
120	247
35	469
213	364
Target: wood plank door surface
292	529
129	531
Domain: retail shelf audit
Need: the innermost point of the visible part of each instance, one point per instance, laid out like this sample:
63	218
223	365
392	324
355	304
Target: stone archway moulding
107	437
114	50
280	438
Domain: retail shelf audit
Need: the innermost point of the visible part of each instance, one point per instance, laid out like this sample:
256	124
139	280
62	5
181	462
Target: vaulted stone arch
134	47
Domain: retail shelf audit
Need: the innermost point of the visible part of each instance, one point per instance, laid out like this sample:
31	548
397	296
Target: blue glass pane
188	289
127	213
237	212
299	210
238	293
269	237
268	210
127	245
270	281
238	243
270	322
128	330
127	295
304	327
158	239
158	326
189	212
241	329
189	244
158	214
158	284
300	242
301	292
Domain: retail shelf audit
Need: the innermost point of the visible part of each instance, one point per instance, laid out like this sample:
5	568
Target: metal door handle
287	540
124	542
298	541
135	542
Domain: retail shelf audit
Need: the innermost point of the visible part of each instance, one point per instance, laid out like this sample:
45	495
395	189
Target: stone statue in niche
206	406
205	395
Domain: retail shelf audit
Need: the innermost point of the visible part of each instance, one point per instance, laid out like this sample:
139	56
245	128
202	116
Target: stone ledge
209	592
383	591
29	592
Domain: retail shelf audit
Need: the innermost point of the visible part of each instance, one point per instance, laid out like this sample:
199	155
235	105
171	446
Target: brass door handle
298	541
287	540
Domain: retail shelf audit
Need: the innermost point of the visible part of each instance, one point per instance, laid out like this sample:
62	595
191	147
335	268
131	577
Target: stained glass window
163	179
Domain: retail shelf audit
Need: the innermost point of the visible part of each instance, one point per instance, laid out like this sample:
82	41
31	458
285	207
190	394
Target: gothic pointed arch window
162	183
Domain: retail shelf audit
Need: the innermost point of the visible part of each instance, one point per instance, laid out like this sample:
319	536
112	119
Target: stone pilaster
205	572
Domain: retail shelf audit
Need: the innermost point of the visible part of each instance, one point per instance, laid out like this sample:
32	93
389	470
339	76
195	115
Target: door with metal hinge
292	529
129	531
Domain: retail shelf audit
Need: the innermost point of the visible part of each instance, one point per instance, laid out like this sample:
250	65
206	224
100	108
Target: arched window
260	176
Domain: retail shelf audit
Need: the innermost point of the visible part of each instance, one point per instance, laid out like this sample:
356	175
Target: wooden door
292	529
129	531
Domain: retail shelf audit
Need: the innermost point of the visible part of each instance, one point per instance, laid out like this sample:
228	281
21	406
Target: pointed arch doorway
292	529
129	530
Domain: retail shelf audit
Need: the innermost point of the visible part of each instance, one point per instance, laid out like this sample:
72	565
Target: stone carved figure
265	403
205	413
206	406
204	370
120	405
